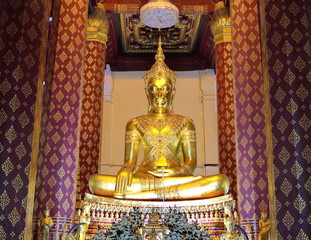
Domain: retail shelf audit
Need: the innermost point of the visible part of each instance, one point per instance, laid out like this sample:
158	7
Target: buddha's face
160	94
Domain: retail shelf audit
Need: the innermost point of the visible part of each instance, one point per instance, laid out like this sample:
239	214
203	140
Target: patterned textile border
225	102
21	30
289	70
57	168
249	104
91	112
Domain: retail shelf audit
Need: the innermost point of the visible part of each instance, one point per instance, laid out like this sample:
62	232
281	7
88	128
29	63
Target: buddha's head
160	85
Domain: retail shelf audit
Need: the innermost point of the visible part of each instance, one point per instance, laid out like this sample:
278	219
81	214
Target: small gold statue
45	224
229	222
168	139
264	225
84	218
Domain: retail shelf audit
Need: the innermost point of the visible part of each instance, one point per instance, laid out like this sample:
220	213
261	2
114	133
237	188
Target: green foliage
180	229
124	229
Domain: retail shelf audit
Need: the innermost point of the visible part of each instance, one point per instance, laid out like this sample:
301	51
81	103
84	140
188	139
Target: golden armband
188	135
132	136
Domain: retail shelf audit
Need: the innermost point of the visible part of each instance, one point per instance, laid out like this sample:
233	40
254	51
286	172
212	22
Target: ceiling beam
184	6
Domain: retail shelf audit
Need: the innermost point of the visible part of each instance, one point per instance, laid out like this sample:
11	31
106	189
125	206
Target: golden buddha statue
45	224
264	226
229	222
86	219
169	143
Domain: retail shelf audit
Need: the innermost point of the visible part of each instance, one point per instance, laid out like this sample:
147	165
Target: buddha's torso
160	137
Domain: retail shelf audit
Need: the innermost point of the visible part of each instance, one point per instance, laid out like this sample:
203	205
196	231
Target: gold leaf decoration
7	167
288	220
286	187
11	134
14	217
4	200
5	86
14	103
17	183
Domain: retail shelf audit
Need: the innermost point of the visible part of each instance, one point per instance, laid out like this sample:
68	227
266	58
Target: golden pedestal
208	213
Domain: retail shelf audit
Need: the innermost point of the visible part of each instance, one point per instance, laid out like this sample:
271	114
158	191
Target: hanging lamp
159	14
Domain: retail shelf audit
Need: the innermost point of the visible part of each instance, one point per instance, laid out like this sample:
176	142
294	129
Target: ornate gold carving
208	212
86	219
159	133
98	26
197	204
138	38
131	136
221	24
154	227
159	69
188	135
229	222
264	225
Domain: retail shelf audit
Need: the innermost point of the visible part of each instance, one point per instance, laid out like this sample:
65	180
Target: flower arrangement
180	229
125	229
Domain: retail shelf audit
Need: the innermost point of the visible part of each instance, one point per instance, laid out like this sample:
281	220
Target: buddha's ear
148	98
173	93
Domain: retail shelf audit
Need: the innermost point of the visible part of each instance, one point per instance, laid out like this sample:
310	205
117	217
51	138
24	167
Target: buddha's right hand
124	180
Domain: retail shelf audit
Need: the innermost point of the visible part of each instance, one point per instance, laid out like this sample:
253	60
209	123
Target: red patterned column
221	29
93	88
249	113
23	36
288	65
58	159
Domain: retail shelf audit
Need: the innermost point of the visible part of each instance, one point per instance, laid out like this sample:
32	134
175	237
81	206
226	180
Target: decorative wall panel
289	70
250	117
57	168
225	106
21	28
91	112
139	38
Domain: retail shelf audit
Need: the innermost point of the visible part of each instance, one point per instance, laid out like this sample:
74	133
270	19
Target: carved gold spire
221	24
159	69
98	26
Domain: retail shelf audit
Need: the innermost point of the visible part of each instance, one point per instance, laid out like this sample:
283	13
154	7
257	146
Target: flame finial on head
159	69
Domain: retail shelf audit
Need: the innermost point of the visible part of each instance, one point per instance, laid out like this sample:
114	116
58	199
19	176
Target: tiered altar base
208	213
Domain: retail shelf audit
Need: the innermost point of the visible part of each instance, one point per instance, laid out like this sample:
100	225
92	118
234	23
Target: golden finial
221	24
159	68
98	25
160	55
100	6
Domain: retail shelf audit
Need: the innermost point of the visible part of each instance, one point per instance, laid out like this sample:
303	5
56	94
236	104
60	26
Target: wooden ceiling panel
184	6
126	52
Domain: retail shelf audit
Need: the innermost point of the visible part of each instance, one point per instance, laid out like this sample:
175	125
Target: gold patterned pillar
221	29
250	114
286	34
23	40
93	87
59	141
